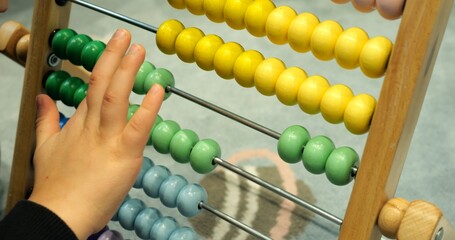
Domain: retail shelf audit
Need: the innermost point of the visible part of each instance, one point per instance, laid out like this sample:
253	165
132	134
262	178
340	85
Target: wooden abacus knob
416	220
12	33
22	48
391	215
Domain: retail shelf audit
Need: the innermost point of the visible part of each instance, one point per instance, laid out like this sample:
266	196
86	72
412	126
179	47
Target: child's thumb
47	121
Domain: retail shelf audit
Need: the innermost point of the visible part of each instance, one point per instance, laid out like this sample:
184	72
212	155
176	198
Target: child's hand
84	171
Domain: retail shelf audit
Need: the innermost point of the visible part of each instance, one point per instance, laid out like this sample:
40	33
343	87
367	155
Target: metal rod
278	191
232	221
232	116
224	112
118	16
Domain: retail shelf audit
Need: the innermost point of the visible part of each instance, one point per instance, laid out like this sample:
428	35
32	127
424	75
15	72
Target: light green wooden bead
316	153
158	120
145	69
338	168
162	135
131	110
160	76
181	145
202	155
291	143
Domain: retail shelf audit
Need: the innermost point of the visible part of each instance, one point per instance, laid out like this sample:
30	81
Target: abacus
401	85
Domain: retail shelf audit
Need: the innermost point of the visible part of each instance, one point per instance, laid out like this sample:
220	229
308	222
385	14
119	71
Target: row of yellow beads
270	76
303	32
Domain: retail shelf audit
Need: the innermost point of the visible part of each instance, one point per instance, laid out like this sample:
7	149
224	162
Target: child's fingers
138	128
115	104
104	70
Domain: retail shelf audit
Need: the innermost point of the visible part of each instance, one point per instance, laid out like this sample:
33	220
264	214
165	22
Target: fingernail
119	33
155	88
133	49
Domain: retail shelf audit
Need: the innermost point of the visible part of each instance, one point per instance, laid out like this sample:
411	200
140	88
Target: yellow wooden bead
311	92
288	85
205	50
375	56
186	42
277	24
300	31
195	7
225	58
245	67
178	4
167	34
214	10
358	113
334	102
349	46
234	13
267	74
256	16
324	38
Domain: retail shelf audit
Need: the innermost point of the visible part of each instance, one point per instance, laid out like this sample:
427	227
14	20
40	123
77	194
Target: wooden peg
416	220
22	48
391	215
12	34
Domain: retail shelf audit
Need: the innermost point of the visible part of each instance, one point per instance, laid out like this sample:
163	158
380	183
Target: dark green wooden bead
75	46
60	41
90	54
80	94
68	88
53	83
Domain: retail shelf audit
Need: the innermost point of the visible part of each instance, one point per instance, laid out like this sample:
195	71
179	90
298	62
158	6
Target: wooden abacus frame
410	67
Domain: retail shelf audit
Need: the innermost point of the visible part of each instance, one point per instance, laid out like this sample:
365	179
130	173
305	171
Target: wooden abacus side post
410	67
47	16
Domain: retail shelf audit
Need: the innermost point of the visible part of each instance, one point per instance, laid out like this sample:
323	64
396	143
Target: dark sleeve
29	220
